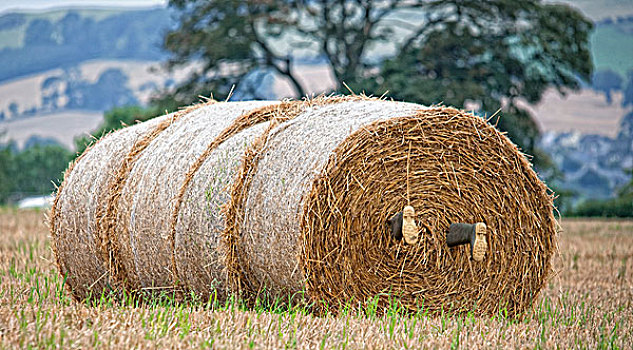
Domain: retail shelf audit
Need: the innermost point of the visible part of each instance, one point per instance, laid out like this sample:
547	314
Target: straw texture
200	222
147	198
327	181
289	160
81	195
121	270
230	244
199	217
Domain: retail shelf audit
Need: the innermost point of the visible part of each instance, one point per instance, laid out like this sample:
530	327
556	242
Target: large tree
231	38
498	56
494	53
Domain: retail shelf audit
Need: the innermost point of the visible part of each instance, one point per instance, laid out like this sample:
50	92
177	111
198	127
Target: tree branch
271	59
430	23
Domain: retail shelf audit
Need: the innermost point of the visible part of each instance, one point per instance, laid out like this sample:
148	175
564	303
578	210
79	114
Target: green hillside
139	31
13	25
31	43
612	46
12	38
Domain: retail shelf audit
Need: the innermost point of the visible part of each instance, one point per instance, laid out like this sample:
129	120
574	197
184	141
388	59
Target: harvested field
587	303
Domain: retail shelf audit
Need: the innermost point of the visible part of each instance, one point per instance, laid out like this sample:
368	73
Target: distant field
584	111
587	304
26	91
63	127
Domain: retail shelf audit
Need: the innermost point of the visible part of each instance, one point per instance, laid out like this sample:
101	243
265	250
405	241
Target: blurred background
556	76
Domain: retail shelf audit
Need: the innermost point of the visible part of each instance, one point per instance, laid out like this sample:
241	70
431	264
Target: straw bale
141	233
109	247
293	196
73	213
213	267
200	224
106	216
325	183
200	221
234	209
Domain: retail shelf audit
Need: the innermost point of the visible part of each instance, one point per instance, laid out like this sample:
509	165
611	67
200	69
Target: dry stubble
587	303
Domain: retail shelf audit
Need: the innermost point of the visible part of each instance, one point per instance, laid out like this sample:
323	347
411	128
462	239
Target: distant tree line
620	206
35	170
38	167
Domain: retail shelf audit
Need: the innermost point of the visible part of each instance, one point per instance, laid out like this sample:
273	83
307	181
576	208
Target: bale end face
459	169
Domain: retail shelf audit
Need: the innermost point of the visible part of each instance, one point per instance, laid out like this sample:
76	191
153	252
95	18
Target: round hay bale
200	220
198	216
79	198
318	189
141	233
106	257
106	213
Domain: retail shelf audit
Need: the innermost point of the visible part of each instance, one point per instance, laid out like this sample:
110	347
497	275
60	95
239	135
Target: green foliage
493	53
564	199
38	168
531	47
115	119
33	171
220	33
626	191
618	207
6	180
233	38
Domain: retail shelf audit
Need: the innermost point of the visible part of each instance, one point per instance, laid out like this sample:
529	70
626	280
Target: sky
8	5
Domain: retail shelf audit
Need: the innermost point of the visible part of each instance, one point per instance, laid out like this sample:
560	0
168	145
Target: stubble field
587	304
